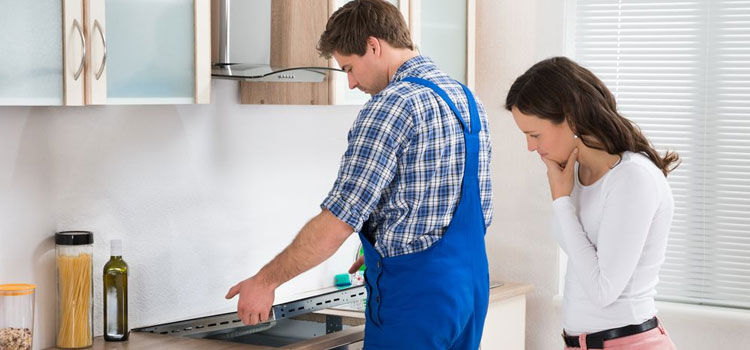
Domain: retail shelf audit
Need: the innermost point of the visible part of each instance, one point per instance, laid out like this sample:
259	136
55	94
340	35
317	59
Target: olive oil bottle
116	295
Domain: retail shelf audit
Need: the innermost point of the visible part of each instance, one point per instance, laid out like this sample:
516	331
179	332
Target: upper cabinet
443	30
78	52
295	27
31	62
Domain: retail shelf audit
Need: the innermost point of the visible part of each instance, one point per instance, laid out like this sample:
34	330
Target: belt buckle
595	343
565	339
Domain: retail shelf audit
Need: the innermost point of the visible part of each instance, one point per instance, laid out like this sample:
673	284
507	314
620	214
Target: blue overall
436	298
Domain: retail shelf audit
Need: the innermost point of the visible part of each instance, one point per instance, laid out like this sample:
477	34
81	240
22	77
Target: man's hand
317	241
357	264
561	177
256	299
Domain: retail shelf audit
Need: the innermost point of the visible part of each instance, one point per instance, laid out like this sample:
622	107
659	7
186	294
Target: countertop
139	341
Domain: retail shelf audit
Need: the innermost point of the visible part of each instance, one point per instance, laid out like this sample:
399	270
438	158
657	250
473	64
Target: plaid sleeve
485	157
376	140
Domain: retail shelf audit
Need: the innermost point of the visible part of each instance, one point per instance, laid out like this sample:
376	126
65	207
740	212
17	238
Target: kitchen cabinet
79	52
295	29
31	64
505	325
443	30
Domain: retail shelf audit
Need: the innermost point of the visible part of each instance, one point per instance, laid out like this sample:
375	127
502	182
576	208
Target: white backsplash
201	195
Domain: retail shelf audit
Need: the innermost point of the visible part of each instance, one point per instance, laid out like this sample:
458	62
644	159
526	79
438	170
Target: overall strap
471	136
476	126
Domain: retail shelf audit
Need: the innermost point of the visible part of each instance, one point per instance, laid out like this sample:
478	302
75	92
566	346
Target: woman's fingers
570	165
551	164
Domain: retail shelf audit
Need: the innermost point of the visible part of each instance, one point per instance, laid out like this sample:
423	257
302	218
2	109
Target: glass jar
74	256
16	316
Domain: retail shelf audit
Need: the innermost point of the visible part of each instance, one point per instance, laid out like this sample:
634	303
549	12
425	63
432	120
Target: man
414	182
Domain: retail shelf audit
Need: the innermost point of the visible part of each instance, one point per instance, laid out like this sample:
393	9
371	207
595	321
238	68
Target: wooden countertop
509	290
142	341
150	341
506	291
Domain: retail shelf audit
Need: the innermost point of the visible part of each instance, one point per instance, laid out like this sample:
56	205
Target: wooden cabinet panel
295	29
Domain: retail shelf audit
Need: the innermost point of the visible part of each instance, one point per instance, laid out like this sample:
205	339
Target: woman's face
550	140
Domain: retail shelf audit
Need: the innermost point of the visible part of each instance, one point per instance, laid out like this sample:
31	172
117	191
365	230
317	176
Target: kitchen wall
202	196
511	36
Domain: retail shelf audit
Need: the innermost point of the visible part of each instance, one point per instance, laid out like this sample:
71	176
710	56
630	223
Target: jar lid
17	289
74	238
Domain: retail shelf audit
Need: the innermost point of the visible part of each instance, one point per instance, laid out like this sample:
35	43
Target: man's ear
374	44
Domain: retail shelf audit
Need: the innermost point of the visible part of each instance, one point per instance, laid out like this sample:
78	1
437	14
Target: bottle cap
116	247
74	238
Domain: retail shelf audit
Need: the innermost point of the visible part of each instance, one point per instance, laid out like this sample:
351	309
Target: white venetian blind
681	70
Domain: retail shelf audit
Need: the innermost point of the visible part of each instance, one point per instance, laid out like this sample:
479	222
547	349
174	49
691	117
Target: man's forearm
315	243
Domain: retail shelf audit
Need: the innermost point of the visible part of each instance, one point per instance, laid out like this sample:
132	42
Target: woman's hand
561	178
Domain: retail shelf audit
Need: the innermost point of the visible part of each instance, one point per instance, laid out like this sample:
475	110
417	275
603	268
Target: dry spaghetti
74	288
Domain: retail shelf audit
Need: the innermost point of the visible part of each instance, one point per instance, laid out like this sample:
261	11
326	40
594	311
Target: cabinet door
31	63
444	31
340	93
148	52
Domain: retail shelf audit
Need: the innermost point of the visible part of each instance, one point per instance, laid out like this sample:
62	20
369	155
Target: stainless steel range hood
264	72
244	46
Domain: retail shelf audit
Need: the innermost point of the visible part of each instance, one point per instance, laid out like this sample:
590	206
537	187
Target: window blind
681	71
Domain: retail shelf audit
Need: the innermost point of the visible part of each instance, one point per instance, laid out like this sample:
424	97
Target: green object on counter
342	280
361	252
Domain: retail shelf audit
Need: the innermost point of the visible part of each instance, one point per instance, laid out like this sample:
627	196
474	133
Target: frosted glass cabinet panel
444	30
31	64
443	35
76	52
150	51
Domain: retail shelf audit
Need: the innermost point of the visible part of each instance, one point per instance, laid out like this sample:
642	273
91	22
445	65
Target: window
681	70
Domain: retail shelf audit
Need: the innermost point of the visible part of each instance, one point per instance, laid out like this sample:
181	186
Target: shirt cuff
566	215
343	211
561	202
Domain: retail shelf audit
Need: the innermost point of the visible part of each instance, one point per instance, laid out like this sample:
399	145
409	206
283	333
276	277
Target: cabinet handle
77	26
97	26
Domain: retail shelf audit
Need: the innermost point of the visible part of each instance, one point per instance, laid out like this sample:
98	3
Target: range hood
244	46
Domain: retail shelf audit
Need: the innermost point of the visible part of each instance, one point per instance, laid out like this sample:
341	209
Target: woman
612	204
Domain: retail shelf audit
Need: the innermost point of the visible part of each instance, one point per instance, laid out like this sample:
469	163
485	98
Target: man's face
368	72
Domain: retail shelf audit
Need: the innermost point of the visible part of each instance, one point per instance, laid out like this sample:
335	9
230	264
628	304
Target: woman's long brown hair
560	90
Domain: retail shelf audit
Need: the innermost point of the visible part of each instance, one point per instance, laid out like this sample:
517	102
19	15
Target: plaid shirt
404	164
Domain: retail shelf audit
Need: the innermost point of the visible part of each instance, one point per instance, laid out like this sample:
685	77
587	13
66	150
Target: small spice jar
74	251
16	316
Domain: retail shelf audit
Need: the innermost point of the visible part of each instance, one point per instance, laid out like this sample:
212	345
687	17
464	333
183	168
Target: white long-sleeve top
615	235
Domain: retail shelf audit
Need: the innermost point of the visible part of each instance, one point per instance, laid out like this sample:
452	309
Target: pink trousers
655	339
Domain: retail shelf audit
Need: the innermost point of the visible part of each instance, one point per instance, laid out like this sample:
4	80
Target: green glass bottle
116	295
